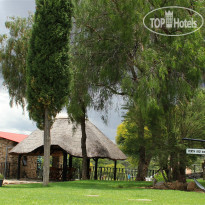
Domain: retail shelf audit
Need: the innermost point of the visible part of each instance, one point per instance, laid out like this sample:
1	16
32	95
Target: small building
66	139
8	163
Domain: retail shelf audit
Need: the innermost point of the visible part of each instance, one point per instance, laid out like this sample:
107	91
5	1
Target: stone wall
11	159
57	161
27	171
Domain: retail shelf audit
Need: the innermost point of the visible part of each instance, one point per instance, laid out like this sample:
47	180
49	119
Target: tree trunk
203	168
143	165
178	164
182	166
47	144
84	151
174	166
143	159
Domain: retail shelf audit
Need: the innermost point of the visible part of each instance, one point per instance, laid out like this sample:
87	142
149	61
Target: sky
14	119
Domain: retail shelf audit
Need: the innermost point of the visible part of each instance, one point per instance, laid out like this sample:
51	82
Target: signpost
195	151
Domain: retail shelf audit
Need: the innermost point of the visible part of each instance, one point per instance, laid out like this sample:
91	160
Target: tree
84	93
125	58
13	53
130	143
186	120
48	67
78	101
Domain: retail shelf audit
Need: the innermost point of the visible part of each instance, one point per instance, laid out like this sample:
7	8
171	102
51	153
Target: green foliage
1	176
13	53
128	140
77	162
115	45
159	176
79	99
156	73
48	60
112	165
185	120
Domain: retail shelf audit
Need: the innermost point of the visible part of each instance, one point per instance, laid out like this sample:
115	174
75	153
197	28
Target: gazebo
66	139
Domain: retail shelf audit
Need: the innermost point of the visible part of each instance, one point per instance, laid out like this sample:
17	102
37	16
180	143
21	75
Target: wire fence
122	174
107	173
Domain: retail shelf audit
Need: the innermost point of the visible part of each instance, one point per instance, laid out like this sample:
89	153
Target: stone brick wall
11	159
57	161
28	171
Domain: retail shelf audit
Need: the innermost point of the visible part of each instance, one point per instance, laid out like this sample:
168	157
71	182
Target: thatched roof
65	138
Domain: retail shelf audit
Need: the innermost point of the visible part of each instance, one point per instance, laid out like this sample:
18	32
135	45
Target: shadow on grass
103	185
24	186
87	184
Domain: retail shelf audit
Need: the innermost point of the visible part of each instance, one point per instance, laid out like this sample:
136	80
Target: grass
109	192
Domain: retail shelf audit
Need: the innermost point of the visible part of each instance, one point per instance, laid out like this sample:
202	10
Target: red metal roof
12	136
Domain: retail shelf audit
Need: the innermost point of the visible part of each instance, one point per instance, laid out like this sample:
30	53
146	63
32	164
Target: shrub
159	177
1	176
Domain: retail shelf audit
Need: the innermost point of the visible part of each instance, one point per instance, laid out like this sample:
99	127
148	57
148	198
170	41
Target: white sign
195	151
163	25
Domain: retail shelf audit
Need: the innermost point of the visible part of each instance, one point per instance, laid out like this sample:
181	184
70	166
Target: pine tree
48	67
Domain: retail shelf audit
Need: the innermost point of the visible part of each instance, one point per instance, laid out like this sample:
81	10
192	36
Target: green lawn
109	192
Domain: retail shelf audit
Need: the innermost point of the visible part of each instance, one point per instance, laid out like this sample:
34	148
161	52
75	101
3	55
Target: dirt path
15	181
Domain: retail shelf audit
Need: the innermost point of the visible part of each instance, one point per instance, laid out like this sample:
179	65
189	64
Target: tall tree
186	120
125	58
84	93
13	53
48	67
78	102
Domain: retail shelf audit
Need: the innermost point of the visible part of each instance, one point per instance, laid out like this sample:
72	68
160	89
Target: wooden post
96	169
115	170
19	167
70	161
100	173
64	165
88	168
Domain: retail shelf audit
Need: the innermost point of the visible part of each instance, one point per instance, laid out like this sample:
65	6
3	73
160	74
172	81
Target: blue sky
13	119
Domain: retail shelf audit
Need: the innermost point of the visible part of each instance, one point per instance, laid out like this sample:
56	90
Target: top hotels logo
173	21
169	19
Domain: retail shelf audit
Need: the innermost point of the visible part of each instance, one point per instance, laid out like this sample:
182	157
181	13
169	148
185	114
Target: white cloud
10	8
13	119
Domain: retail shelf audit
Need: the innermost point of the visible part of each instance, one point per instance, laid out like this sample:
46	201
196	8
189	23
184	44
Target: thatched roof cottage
65	139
